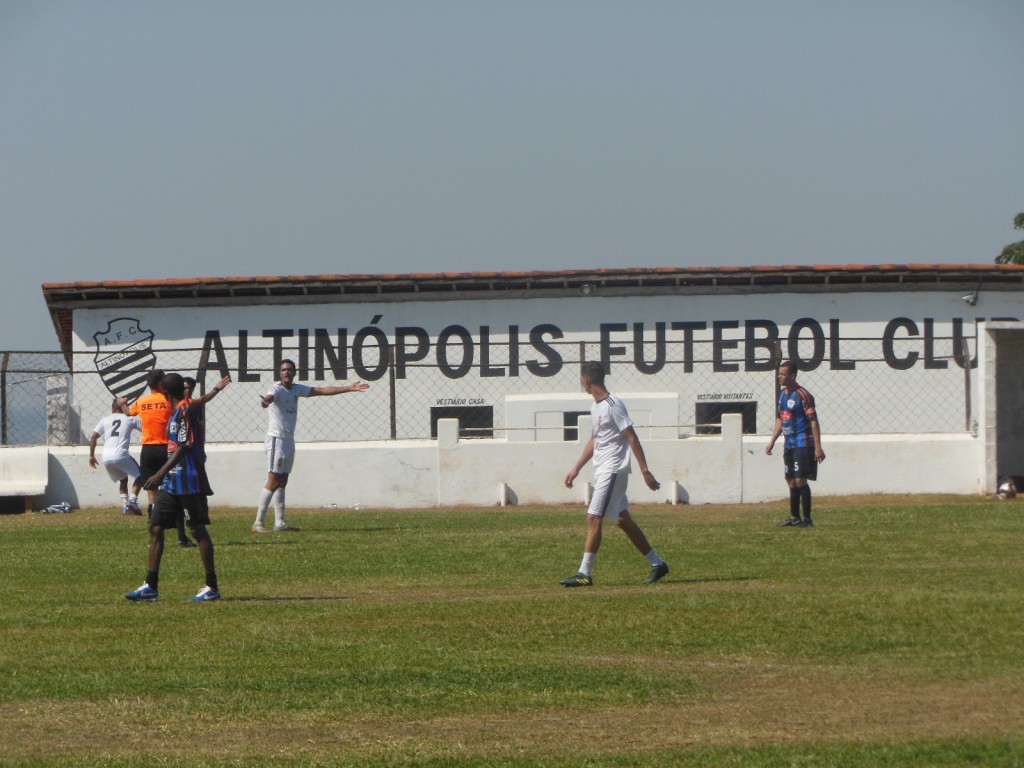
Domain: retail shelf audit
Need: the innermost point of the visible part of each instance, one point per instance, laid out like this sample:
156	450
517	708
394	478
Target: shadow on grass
280	538
375	529
708	580
283	598
255	543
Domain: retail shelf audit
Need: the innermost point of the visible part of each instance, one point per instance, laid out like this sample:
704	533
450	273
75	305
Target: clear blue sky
207	138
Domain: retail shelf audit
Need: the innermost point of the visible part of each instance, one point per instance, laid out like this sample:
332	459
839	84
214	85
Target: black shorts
168	509
800	462
151	458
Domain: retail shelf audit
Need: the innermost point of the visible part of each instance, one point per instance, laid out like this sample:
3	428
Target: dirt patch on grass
735	703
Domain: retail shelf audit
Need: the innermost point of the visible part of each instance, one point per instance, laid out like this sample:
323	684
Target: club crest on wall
124	357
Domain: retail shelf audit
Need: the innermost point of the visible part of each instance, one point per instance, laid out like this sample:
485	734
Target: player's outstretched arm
220	385
359	386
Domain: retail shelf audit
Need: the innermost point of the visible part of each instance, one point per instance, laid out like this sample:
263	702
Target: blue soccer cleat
205	595
144	594
658	572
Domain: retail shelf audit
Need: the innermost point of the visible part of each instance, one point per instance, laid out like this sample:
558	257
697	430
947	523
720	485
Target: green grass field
892	634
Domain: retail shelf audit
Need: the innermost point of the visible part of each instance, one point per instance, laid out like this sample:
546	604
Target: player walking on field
116	430
612	441
797	419
282	405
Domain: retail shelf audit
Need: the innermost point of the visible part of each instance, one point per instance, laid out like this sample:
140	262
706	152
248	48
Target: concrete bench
24	473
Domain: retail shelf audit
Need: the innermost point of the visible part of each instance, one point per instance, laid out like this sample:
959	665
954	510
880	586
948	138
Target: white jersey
116	430
608	420
284	411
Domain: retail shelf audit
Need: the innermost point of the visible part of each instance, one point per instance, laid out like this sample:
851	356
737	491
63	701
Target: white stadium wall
730	468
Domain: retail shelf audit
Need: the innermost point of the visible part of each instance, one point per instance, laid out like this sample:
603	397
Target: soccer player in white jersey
612	442
116	430
282	404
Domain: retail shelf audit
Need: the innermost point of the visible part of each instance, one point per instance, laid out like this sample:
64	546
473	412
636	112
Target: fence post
392	395
967	381
3	399
58	411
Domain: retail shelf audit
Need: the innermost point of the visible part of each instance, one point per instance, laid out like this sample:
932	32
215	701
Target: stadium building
475	396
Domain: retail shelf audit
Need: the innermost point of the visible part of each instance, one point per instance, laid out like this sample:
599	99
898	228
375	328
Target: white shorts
280	454
119	469
609	499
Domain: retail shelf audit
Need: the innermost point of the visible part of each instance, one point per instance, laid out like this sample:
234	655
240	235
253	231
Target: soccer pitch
889	634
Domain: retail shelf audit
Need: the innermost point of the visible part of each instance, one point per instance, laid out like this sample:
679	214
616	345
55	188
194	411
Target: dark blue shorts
800	462
168	509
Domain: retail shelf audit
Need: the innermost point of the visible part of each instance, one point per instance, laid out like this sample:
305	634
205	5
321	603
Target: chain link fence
32	384
873	387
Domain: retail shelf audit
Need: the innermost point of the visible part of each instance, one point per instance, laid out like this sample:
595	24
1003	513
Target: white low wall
726	468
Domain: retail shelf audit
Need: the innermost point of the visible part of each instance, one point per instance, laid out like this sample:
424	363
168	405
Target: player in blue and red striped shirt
183	488
797	419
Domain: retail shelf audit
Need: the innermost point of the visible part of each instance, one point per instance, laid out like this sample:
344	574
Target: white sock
124	499
652	558
262	505
587	566
279	507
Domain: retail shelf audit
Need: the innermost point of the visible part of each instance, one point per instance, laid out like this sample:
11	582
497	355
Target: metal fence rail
873	386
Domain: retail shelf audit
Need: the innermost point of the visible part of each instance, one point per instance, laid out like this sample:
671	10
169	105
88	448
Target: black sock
805	500
153	579
794	502
211	581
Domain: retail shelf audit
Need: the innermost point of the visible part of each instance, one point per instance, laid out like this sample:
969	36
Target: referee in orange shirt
155	411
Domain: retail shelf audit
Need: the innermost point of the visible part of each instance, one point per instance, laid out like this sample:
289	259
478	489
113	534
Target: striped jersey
188	476
796	410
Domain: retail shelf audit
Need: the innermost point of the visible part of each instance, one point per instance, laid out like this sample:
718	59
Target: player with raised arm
182	488
282	406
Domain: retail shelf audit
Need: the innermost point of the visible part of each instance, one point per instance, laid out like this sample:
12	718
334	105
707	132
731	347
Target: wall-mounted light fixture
972	298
